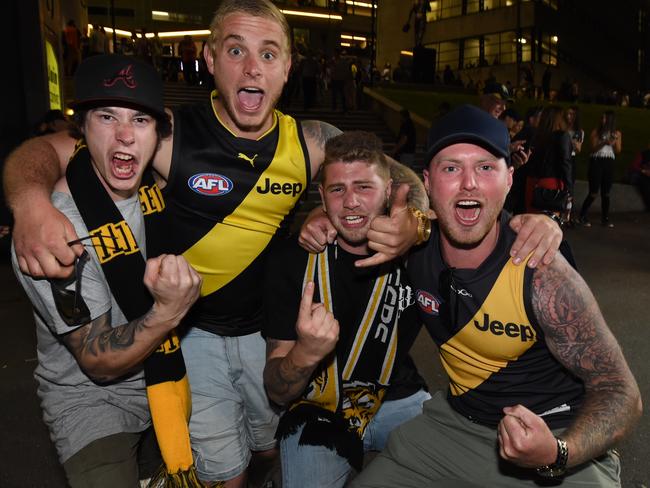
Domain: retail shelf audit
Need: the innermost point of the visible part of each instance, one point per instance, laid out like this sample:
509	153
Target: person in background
606	142
72	51
516	200
53	121
640	175
187	53
404	151
574	128
97	41
550	164
511	118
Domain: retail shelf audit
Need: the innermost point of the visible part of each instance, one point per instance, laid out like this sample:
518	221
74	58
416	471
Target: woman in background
574	128
550	163
606	142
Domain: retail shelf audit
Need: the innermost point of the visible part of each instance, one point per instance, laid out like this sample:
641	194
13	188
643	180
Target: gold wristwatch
424	225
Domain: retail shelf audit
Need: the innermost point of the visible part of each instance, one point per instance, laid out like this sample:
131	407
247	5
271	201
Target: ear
425	180
208	55
511	171
322	196
287	67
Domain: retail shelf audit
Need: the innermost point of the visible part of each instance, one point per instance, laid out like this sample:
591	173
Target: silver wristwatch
558	468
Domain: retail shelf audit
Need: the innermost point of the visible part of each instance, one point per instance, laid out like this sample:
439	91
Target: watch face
549	472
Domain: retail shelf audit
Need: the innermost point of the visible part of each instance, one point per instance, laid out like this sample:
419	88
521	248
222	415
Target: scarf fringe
322	428
181	479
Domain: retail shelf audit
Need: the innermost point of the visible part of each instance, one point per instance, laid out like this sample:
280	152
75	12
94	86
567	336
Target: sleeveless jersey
490	344
226	199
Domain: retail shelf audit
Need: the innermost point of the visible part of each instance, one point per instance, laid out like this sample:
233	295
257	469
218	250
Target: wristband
424	225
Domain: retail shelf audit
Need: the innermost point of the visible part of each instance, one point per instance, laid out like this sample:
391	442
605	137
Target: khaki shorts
441	448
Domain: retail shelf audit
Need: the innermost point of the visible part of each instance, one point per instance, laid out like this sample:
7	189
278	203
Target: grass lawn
634	123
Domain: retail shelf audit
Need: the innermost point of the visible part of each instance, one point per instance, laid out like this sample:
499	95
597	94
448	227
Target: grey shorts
442	448
231	414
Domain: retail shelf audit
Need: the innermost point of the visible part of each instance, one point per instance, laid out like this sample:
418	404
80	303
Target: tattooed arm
289	364
284	377
577	335
106	353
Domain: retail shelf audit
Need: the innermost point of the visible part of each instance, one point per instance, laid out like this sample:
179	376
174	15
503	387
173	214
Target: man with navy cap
537	380
96	328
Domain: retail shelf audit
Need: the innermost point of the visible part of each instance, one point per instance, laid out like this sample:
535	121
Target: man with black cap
494	99
537	380
97	328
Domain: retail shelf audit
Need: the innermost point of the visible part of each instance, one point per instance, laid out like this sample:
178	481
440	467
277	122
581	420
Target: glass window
448	54
472	50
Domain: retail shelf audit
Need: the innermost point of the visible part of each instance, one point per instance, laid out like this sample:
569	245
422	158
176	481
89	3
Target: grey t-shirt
76	410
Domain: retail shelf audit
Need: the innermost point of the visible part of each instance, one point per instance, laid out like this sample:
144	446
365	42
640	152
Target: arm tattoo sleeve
284	380
319	132
98	338
577	335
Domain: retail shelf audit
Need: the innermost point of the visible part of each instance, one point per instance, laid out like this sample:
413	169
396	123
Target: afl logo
427	302
210	184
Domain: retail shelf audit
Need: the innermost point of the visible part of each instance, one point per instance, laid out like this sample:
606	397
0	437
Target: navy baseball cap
113	79
469	124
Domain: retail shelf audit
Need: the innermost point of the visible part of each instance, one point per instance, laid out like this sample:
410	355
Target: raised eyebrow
271	43
235	37
239	38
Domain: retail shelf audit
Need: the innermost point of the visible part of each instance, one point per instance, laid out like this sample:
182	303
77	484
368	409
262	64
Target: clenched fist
174	285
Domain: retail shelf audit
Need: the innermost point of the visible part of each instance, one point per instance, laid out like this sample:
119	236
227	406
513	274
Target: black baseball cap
114	79
498	90
469	124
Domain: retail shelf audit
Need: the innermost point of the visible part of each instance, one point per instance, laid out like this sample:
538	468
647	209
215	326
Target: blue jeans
320	467
231	414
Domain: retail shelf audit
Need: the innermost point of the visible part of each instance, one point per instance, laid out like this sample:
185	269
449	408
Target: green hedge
634	123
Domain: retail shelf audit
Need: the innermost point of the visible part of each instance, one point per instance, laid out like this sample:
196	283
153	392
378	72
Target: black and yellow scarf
338	404
123	265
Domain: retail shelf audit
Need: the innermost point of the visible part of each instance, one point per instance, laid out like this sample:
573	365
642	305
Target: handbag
554	200
550	194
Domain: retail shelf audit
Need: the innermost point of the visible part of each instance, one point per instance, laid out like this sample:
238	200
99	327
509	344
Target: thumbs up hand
394	234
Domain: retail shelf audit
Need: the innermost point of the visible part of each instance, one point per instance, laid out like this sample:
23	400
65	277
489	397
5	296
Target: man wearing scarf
109	328
341	368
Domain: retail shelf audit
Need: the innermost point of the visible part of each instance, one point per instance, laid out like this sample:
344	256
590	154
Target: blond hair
255	8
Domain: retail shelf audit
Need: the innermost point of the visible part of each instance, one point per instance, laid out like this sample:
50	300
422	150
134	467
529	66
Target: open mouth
123	165
468	211
250	98
353	220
